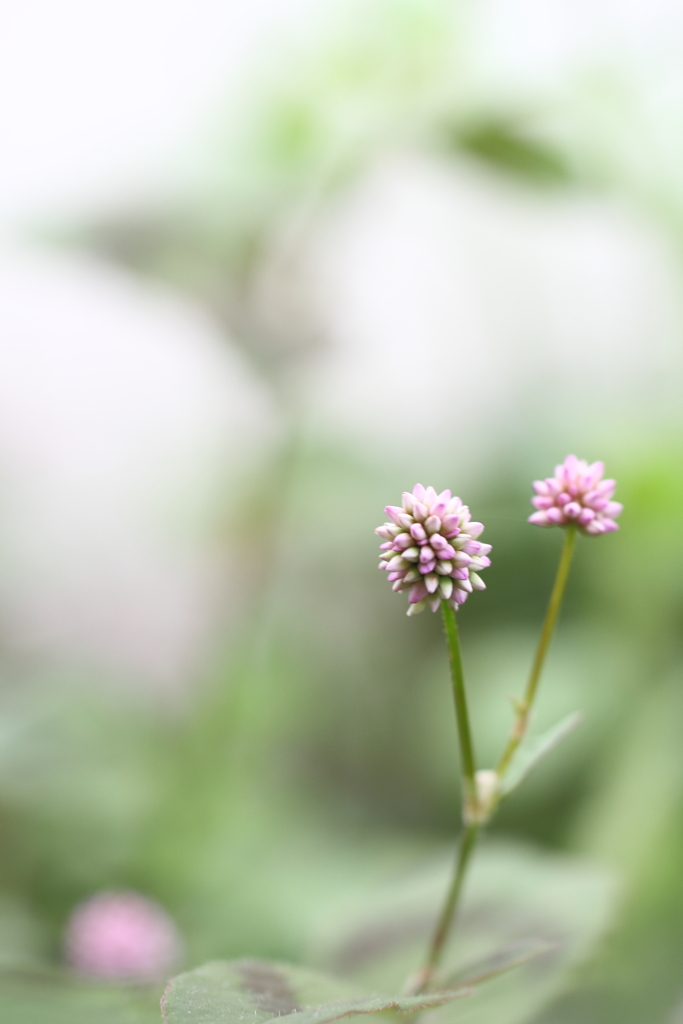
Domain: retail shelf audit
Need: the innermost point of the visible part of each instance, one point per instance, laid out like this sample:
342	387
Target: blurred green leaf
264	990
491	966
514	895
504	146
535	749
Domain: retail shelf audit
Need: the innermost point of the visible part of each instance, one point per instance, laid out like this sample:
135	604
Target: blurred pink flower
121	936
576	494
431	549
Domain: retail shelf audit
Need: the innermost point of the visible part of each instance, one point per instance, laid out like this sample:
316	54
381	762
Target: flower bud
430	545
122	936
576	494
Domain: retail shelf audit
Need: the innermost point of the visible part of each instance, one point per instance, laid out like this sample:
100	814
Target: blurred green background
425	241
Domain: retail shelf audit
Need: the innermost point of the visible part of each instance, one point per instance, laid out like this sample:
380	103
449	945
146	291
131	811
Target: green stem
468	839
460	699
471	828
524	706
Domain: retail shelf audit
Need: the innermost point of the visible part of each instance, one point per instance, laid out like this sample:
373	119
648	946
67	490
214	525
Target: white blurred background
448	304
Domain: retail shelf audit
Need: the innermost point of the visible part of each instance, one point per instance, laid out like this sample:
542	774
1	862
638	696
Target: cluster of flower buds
576	494
431	549
122	936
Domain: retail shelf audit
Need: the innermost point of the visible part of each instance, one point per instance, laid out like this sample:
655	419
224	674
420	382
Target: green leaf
533	750
513	895
257	991
491	966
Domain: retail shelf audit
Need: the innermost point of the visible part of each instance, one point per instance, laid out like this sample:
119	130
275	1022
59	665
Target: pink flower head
121	936
576	494
431	549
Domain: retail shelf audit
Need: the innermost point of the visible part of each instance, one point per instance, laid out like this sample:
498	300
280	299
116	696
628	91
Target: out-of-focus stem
524	706
468	839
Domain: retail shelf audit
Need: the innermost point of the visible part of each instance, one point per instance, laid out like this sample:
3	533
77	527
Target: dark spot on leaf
268	986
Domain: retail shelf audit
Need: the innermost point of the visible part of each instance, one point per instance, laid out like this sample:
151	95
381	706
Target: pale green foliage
31	997
535	748
513	894
258	991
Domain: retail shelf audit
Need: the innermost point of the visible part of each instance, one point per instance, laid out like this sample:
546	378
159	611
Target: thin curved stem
525	705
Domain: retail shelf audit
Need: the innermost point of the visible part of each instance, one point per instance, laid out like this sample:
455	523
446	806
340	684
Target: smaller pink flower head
121	936
576	494
431	549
